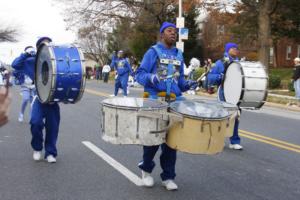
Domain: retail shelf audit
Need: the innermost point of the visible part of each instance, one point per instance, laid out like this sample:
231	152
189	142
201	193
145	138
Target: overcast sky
34	18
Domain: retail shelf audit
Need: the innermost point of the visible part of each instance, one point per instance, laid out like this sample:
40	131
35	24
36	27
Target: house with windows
286	50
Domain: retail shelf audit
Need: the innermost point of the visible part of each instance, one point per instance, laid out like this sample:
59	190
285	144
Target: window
271	55
288	52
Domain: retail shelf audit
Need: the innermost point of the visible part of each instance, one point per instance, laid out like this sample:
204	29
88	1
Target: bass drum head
233	83
200	109
44	70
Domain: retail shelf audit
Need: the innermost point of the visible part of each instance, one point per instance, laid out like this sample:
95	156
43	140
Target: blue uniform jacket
25	64
148	68
216	73
122	66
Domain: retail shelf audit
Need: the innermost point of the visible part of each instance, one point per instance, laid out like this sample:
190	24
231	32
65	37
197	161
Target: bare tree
8	34
93	43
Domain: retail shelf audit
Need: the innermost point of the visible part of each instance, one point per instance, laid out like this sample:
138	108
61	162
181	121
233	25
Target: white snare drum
245	84
203	128
134	121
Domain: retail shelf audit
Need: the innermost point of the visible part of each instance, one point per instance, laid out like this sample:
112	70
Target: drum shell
249	88
198	136
127	126
66	73
255	87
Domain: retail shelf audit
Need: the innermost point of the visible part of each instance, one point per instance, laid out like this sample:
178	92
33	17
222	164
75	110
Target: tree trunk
264	32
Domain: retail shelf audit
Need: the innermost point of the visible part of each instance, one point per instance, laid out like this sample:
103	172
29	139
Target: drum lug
60	89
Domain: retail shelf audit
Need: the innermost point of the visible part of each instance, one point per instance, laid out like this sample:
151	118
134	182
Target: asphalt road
267	168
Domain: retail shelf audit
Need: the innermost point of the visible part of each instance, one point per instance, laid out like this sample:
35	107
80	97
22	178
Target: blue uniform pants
121	82
235	138
167	158
27	95
48	116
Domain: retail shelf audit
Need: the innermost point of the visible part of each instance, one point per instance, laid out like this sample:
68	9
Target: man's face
170	35
120	54
234	52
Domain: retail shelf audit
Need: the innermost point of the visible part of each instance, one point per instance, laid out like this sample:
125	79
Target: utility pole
183	33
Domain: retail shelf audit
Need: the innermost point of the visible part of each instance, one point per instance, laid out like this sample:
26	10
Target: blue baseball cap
166	25
230	45
41	39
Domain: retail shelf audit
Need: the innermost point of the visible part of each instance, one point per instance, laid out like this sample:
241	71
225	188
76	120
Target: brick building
286	51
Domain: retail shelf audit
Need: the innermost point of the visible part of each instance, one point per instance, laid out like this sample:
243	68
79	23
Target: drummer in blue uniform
216	75
161	74
27	86
49	111
123	69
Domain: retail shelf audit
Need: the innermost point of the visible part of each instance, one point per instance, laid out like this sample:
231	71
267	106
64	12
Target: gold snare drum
203	128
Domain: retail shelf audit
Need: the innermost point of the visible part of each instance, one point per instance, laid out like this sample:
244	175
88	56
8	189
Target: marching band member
216	76
49	112
123	68
161	73
27	86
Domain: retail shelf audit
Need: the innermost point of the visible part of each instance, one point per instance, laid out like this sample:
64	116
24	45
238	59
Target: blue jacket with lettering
151	65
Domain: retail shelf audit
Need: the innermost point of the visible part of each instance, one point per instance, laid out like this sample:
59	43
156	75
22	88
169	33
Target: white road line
115	164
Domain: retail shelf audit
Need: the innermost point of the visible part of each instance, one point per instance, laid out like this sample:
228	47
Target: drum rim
53	78
243	81
163	106
83	71
198	117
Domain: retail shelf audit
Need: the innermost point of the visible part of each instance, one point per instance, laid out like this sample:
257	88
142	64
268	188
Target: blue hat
230	45
166	25
28	47
40	40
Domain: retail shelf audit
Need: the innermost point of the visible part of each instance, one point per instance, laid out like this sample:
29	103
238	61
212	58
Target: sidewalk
270	104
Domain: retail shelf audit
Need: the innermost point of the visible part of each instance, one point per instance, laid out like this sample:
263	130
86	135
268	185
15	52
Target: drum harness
171	73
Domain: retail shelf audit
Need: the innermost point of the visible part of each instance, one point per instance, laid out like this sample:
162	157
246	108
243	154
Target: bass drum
59	73
245	84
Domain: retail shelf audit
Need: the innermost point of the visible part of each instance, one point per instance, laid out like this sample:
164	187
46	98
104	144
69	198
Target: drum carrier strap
170	69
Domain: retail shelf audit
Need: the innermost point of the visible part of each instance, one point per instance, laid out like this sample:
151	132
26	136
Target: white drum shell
246	84
128	126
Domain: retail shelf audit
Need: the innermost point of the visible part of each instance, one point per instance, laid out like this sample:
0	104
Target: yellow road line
96	92
274	142
271	143
270	139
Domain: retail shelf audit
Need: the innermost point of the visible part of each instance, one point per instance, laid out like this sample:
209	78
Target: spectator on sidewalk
296	79
105	73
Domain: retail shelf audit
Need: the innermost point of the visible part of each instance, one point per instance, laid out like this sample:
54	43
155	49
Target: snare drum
245	84
134	121
203	128
59	73
233	112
